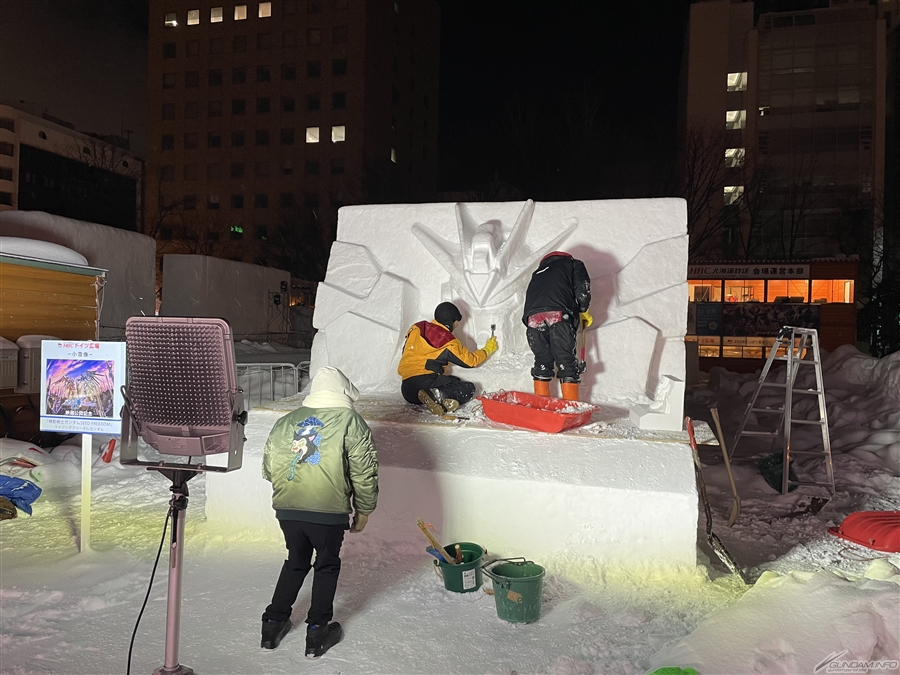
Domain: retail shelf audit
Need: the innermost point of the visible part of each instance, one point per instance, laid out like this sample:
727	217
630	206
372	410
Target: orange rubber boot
569	390
542	387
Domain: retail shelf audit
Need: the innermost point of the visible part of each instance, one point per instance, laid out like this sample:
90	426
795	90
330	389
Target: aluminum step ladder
798	347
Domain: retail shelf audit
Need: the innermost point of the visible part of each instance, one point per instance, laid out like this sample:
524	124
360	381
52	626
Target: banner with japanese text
81	387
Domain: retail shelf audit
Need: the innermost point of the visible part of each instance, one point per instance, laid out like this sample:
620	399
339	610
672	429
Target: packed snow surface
816	598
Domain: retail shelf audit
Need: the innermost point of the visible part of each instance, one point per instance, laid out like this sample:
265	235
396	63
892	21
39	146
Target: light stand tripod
183	401
177	506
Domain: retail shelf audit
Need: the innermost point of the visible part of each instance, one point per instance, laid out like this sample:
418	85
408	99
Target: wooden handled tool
736	504
434	542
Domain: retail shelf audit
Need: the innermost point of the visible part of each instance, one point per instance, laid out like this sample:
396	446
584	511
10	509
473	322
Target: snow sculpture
666	412
392	264
479	271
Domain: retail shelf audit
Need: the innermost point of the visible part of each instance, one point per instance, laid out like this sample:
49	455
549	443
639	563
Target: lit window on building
171	19
705	291
338	134
312	134
734	157
265	10
734	119
832	290
393	155
733	193
787	290
737	81
216	14
240	12
193	17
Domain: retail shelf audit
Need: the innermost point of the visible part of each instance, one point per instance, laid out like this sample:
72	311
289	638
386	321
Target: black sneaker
273	632
319	639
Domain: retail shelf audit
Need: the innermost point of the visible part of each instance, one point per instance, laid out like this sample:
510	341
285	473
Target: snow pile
40	250
798	622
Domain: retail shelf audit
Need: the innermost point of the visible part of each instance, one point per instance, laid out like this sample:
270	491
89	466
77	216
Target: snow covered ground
814	596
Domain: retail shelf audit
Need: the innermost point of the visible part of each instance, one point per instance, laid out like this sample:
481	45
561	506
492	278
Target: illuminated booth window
749	290
832	290
705	291
783	290
737	318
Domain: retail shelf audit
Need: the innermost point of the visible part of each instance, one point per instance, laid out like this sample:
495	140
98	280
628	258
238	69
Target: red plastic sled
879	530
540	413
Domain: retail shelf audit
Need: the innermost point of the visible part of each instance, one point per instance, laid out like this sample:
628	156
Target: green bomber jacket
318	460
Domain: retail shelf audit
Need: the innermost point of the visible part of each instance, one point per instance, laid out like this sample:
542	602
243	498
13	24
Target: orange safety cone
108	451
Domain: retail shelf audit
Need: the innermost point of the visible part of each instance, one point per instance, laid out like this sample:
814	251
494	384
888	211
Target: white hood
330	388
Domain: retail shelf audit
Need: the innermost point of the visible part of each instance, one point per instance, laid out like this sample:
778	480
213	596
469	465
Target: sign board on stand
81	392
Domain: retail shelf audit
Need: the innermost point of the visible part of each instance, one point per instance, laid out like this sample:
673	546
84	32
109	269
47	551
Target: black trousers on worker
449	385
301	539
554	344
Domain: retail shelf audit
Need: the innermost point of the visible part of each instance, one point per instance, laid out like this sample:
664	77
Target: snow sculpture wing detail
476	265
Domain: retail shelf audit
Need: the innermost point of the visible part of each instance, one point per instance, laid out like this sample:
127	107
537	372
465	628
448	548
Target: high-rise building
46	165
784	108
266	117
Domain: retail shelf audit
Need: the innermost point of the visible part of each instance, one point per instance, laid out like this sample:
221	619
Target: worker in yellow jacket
430	347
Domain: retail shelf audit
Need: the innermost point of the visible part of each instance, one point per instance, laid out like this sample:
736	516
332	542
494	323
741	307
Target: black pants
301	539
449	385
554	344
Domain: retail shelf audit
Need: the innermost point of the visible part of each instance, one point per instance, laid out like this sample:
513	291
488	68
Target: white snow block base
516	493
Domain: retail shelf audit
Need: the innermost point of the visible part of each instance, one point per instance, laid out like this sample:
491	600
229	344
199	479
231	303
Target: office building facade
266	117
792	96
46	165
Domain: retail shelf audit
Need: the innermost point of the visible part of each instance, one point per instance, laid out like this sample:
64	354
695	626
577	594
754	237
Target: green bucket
517	589
464	577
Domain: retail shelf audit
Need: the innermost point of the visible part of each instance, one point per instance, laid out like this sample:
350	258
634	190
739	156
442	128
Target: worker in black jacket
557	300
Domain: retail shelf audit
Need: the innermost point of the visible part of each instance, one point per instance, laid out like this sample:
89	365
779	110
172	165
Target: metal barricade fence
263	382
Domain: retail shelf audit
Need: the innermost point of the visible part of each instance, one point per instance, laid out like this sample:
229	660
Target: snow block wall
560	497
392	264
129	257
243	294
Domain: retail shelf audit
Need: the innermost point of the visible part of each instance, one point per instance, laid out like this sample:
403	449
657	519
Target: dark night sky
493	54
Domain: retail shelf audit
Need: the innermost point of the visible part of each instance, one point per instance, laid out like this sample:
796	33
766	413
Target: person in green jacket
323	466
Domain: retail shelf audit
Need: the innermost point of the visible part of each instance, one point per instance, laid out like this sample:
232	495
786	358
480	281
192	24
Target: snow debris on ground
817	599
